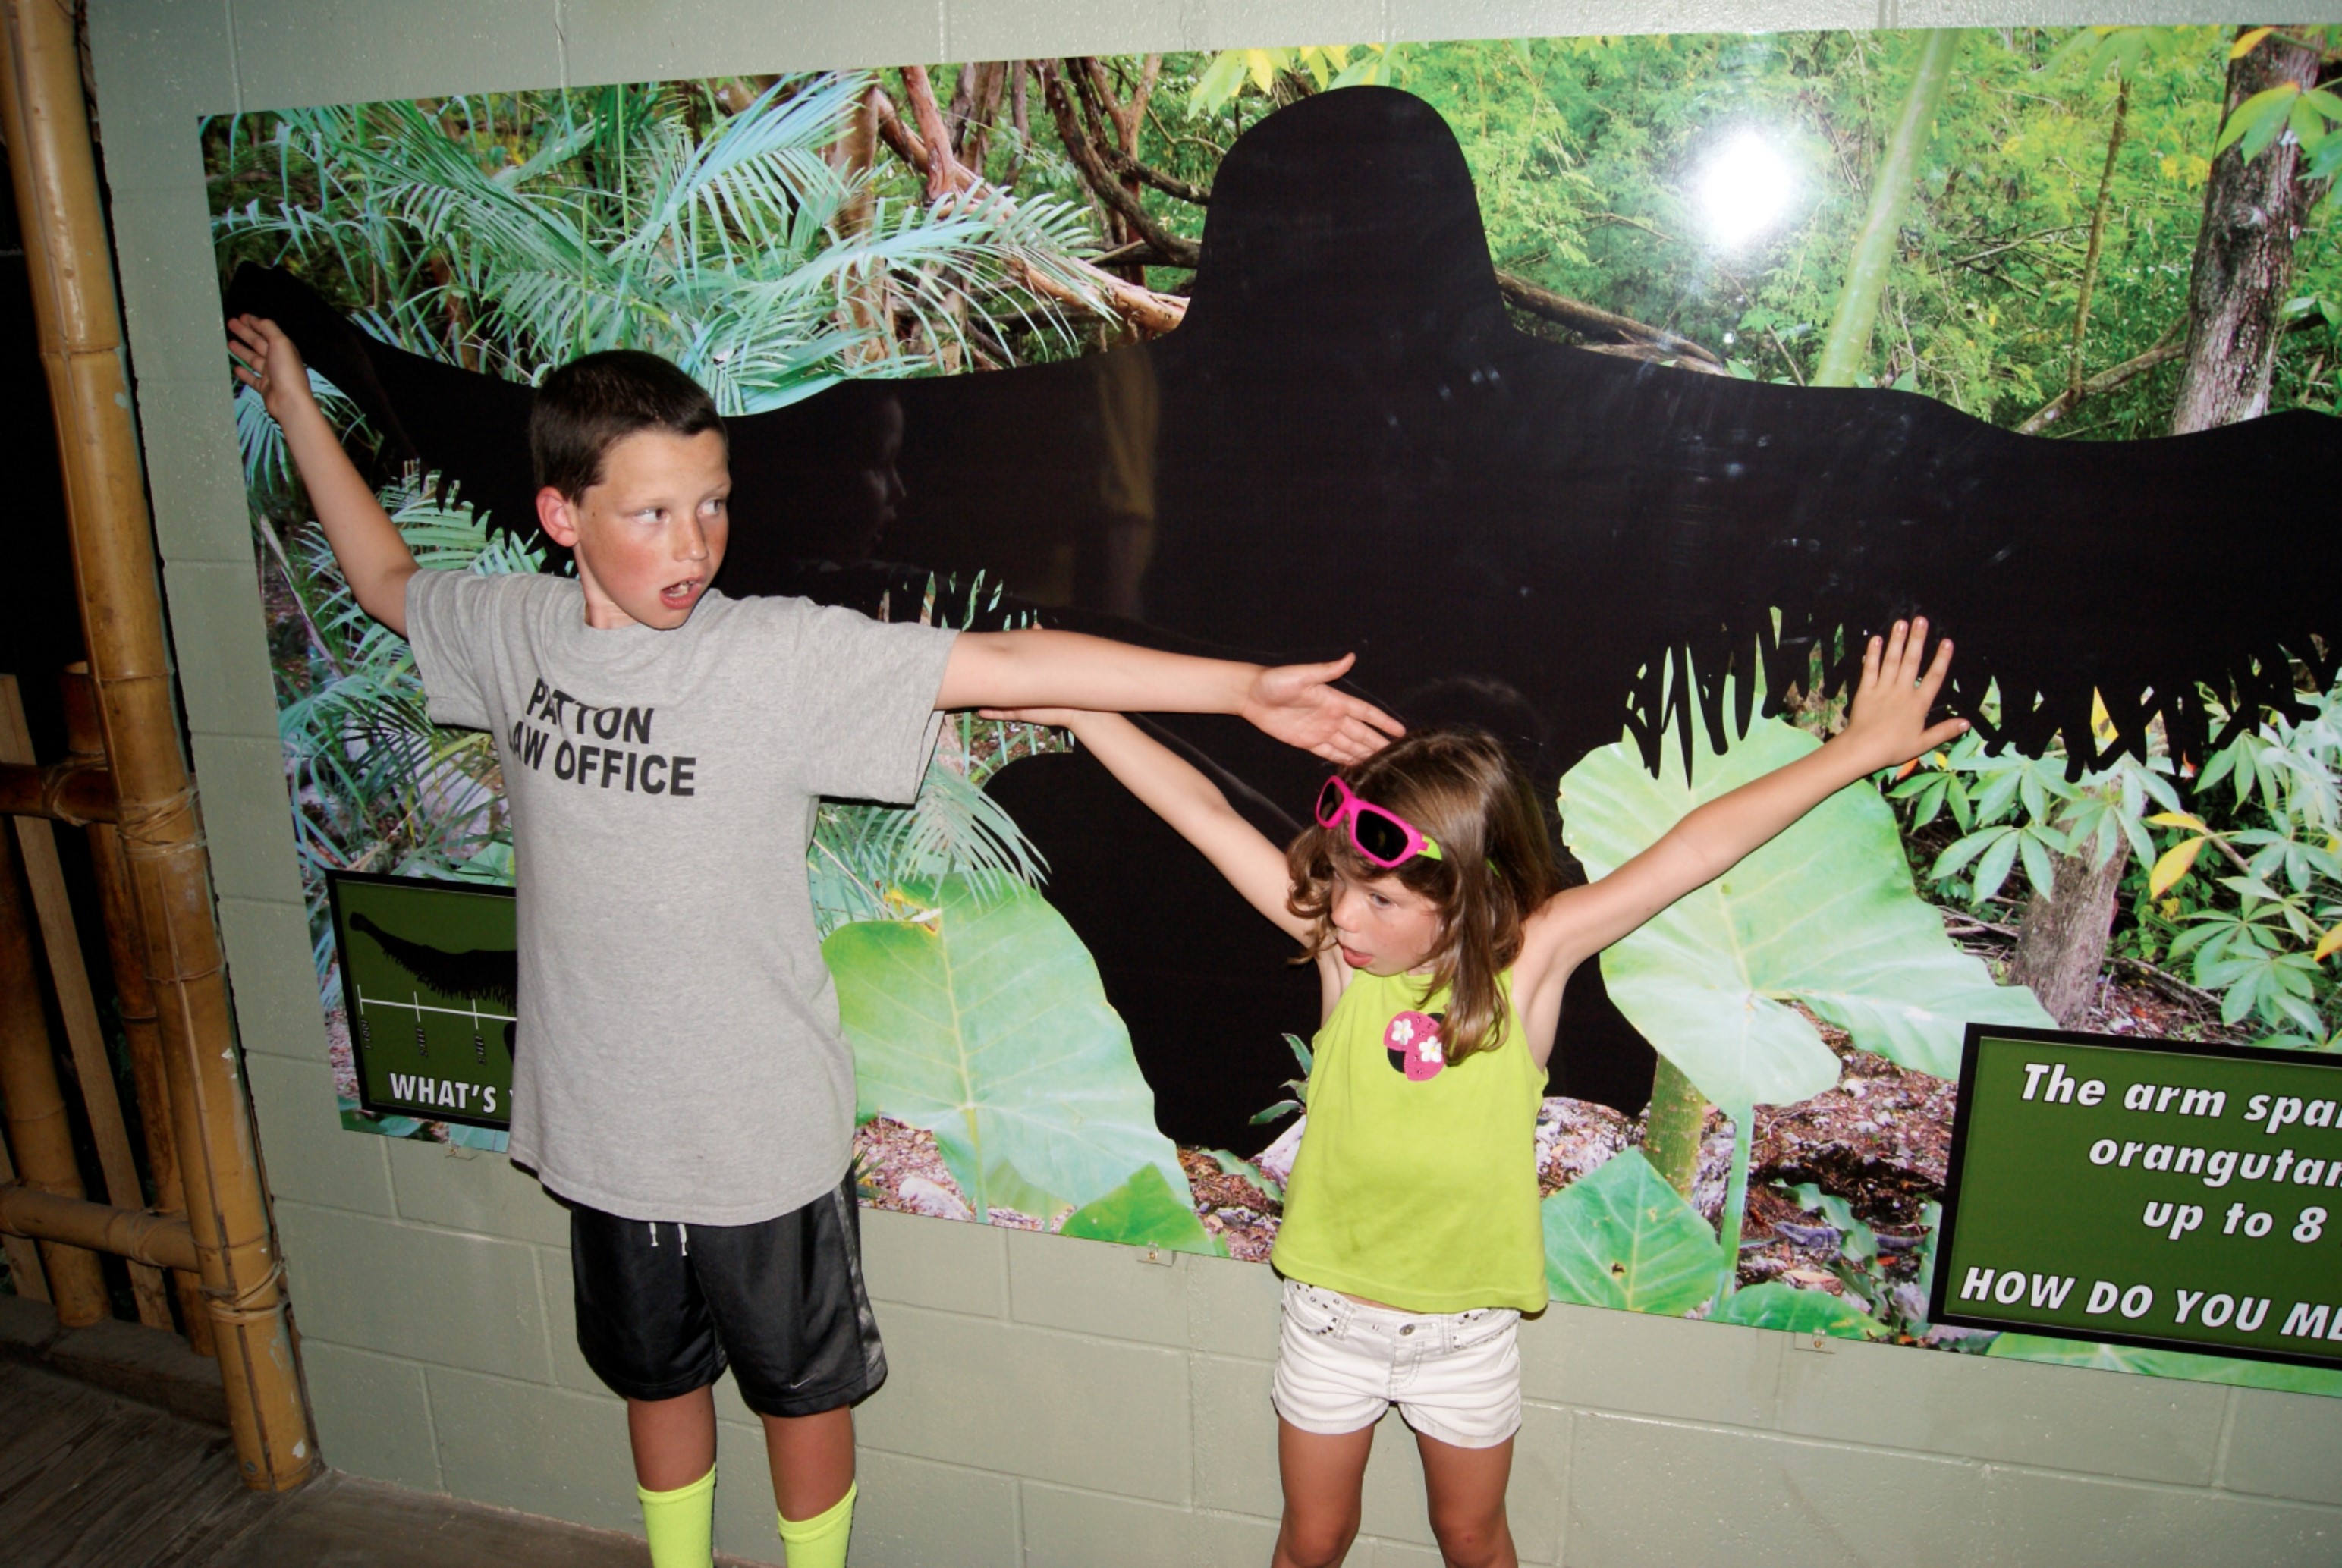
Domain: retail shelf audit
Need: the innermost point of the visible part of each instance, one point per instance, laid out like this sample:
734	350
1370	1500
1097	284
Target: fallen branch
2167	347
1579	317
1655	354
1956	925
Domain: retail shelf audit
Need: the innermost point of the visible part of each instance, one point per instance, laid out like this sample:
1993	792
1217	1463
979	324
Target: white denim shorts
1455	1376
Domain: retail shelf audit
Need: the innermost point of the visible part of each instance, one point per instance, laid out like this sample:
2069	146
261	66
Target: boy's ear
558	515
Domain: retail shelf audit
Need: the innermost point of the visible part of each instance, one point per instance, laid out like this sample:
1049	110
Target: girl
1428	897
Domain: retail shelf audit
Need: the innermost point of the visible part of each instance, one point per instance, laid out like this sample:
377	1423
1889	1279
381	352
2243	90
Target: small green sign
2145	1192
430	976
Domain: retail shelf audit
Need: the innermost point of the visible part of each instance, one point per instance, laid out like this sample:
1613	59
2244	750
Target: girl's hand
267	363
1889	724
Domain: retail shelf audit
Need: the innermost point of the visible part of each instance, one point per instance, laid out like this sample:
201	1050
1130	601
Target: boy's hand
267	363
374	557
1297	704
1889	724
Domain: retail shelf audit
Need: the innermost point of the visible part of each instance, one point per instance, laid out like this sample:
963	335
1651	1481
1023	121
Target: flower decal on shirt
1412	1041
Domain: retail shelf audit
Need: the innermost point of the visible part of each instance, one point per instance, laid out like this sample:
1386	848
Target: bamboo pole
1845	351
39	1133
149	1239
26	1275
80	319
135	1000
69	984
68	792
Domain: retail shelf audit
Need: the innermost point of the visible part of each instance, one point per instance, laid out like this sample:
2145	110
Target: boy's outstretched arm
373	559
1889	724
1170	786
1039	668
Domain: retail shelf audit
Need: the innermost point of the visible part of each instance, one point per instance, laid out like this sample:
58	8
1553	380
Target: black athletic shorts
663	1308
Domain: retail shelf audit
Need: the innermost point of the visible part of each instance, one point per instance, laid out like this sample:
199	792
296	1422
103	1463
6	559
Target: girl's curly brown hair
1464	790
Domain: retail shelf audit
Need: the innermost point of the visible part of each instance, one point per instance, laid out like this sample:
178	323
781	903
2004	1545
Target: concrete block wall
1052	1402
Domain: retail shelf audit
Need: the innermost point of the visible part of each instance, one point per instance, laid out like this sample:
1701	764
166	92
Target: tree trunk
1121	214
2065	930
2253	212
1139	308
944	176
866	309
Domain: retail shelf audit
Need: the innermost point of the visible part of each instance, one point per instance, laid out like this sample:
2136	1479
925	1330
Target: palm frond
375	785
621	228
863	855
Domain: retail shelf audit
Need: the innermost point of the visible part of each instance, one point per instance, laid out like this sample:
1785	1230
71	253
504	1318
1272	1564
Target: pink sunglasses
1382	837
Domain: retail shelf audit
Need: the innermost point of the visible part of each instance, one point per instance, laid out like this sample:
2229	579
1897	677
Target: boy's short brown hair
596	401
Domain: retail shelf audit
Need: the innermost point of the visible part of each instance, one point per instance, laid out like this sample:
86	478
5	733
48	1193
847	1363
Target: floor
90	1478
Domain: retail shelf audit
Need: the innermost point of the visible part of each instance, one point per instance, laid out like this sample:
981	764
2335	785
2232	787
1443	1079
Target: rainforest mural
1601	392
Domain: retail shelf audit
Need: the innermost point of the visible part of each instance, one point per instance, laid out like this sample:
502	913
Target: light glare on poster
1744	189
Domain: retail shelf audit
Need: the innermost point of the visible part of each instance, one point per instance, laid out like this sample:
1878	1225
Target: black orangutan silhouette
1347	445
476	975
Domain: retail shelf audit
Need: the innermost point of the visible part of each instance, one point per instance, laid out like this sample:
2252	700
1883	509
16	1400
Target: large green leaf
2178	1364
1776	1306
1143	1212
985	1024
1619	1236
1824	914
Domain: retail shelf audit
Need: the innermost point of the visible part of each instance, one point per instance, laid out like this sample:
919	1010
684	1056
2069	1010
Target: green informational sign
2146	1191
430	971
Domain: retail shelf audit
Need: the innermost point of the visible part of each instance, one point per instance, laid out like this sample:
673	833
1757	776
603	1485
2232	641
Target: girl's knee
1471	1540
1311	1540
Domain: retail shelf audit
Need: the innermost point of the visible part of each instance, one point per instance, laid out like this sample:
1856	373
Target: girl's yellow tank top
1416	1182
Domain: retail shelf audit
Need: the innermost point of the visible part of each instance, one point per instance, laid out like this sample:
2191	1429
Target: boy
685	1088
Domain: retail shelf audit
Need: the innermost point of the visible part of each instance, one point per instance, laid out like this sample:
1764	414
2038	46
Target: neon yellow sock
680	1523
820	1542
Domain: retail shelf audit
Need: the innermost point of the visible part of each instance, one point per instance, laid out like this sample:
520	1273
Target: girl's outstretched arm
1171	787
1889	724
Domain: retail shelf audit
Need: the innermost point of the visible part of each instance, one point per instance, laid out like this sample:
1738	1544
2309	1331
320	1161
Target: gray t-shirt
679	1055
